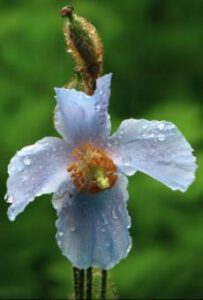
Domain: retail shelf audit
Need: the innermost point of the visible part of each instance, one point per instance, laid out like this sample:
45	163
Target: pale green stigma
99	176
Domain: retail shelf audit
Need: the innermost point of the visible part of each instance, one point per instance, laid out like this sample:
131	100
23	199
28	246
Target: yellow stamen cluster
92	170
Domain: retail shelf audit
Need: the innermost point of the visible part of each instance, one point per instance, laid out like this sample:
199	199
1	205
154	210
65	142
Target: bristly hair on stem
79	283
76	282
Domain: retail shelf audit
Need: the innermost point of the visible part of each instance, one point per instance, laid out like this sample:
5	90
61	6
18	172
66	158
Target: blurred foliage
154	49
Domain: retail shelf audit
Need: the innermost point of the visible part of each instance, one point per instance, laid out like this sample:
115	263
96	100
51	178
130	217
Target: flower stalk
103	284
76	276
84	279
89	284
81	284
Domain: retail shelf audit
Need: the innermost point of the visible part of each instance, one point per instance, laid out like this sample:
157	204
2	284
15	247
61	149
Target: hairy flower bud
86	49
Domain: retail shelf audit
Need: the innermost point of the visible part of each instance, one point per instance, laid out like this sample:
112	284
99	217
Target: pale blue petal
81	118
156	148
93	229
36	170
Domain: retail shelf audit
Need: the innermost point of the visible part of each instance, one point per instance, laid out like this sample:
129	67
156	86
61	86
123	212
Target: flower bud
85	47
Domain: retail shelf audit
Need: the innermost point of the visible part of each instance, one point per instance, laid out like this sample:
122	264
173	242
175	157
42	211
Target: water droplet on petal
12	169
121	133
127	164
114	214
27	161
103	229
120	208
106	222
145	126
97	107
60	233
161	126
72	228
10	199
24	178
114	233
161	137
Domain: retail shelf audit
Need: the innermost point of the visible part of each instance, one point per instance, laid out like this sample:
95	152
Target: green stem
103	284
89	284
76	282
81	284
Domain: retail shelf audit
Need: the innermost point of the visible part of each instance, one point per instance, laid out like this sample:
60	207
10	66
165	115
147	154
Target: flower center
92	170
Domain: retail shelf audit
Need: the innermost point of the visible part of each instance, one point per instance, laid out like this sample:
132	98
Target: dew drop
12	169
97	107
24	178
72	228
161	126
106	222
20	168
161	137
114	233
27	161
120	209
10	199
60	233
145	126
121	133
103	229
114	215
127	164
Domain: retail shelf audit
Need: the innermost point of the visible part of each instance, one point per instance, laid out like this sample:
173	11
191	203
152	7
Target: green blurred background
154	49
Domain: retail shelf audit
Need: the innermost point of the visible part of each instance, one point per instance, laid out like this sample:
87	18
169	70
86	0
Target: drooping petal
35	170
156	148
93	229
81	118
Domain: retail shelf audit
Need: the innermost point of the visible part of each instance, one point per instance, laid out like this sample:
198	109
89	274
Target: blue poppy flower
86	172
